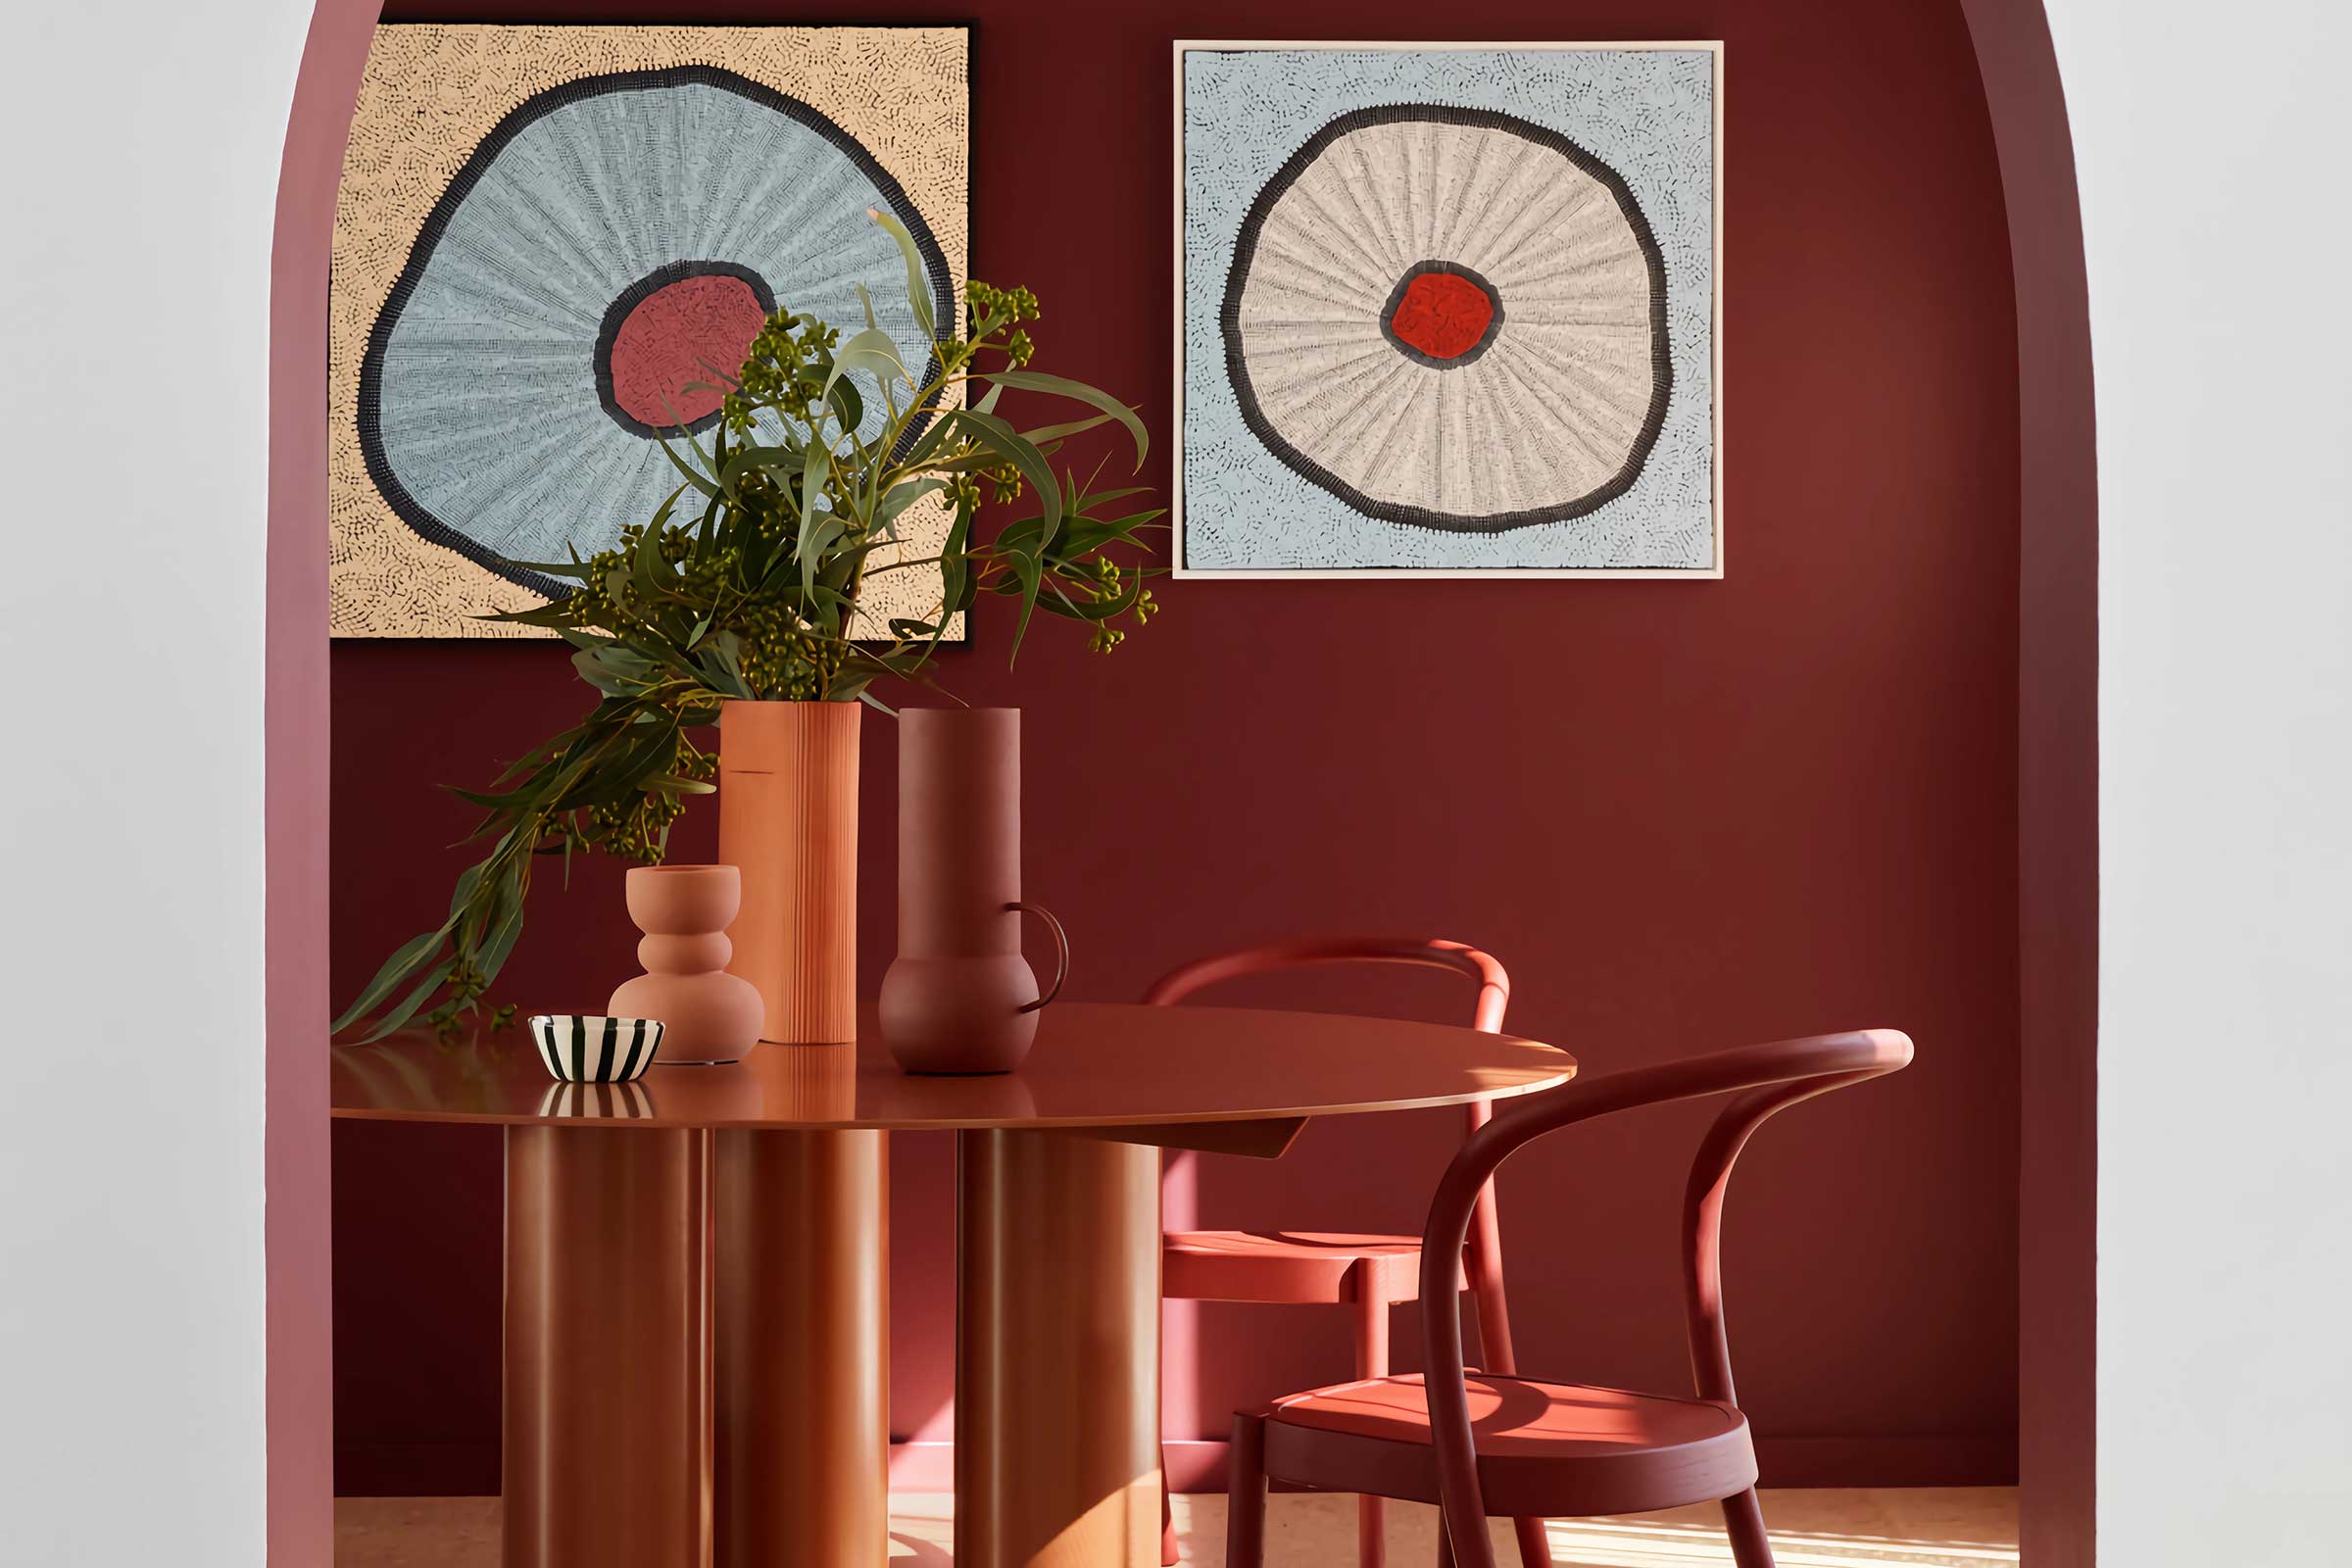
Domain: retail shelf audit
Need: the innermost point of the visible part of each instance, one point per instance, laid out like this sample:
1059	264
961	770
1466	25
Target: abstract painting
1448	310
547	237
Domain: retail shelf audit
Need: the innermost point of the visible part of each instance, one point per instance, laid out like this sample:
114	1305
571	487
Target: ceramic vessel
684	910
788	821
959	997
584	1048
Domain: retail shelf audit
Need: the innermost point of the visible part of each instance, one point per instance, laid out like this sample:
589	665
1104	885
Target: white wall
2212	144
143	139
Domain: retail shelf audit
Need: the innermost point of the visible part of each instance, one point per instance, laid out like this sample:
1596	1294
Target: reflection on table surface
1095	1064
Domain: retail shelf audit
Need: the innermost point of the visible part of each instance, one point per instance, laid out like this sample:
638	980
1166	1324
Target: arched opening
2056	754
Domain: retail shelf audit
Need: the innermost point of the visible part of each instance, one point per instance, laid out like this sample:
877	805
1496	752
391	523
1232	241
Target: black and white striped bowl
585	1050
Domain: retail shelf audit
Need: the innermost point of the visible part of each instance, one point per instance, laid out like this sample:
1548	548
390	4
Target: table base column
1058	1352
606	1387
803	1319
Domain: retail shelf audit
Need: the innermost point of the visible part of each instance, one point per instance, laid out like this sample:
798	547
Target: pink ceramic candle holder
684	910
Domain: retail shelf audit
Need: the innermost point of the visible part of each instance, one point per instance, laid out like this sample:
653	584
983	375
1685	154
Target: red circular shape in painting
671	338
1444	314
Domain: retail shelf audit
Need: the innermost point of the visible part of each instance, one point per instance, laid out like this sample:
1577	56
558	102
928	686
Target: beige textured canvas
432	93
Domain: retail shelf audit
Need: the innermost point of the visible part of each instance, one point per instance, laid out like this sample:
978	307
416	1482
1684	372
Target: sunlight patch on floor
1921	1528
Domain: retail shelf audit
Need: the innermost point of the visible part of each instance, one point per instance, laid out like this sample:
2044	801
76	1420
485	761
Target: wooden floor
1941	1526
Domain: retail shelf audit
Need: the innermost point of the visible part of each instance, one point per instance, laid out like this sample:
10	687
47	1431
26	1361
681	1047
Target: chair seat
1288	1267
1544	1449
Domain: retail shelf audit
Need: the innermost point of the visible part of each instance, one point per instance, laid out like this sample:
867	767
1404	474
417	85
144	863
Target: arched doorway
2057	784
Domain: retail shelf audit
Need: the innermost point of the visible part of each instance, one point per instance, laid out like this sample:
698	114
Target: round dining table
696	1298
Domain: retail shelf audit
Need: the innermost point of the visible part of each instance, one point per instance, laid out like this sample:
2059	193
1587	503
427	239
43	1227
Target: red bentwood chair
1487	1442
1371	1273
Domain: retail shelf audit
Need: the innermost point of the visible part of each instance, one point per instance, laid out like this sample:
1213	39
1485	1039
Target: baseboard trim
1197	1464
1890	1459
417	1469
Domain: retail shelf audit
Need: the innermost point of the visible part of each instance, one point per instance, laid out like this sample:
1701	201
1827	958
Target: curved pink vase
684	910
961	997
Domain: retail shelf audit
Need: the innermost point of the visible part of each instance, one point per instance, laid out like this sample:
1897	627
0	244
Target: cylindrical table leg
1056	1363
803	1376
607	1355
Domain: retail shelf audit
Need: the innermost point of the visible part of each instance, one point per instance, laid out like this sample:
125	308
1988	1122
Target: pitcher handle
1061	953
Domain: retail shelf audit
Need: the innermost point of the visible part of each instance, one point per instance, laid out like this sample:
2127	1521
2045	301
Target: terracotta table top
1096	1065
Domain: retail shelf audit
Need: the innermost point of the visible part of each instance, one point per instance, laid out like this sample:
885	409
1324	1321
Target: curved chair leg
1371	1361
1246	1495
1495	1350
1744	1522
1167	1515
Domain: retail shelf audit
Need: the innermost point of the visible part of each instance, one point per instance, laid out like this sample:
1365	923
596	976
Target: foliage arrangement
746	583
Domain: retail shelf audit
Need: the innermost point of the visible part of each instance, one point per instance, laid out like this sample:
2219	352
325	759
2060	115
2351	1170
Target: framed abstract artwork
1448	310
547	236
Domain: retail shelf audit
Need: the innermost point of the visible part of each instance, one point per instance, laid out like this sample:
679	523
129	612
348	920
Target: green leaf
870	351
814	470
506	923
639	760
555	616
1082	536
919	277
512	800
407	1005
400	966
1017	449
576	567
848	405
693	479
1031	575
727	379
818	539
720	662
1059	432
749	459
708	528
468	880
956	563
1061	386
929	442
624	676
901	496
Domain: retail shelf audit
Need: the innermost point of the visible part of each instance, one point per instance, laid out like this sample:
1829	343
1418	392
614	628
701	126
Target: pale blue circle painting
1448	310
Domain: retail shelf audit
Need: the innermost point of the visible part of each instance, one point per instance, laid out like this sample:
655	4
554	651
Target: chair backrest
1484	1262
1767	1079
1493	985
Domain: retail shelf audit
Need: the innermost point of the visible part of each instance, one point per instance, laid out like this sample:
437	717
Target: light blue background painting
489	414
1648	114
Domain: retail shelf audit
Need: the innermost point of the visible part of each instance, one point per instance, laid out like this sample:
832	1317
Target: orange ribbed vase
788	818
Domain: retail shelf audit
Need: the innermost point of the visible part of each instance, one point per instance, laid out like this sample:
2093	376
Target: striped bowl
581	1049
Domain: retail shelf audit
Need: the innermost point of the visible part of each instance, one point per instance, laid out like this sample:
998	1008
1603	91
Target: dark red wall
1686	815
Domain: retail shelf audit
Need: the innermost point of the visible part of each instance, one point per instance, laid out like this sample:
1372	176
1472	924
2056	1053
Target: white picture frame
1186	564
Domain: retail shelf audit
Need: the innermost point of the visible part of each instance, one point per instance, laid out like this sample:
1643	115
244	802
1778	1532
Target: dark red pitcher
961	996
